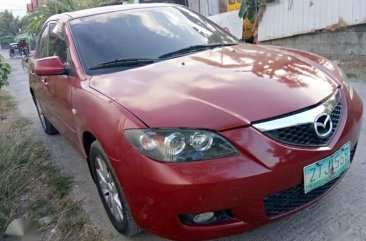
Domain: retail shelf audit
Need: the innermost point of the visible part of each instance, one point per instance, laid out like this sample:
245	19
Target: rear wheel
46	124
110	192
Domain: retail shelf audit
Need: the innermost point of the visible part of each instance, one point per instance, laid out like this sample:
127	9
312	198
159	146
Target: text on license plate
324	171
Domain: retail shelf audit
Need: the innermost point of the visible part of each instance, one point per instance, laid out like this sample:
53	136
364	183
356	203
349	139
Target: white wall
211	9
205	7
231	21
292	17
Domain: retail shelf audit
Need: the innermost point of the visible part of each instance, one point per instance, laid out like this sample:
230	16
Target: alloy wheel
109	189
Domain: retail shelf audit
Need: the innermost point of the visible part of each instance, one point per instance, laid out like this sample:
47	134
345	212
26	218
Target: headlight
179	145
346	82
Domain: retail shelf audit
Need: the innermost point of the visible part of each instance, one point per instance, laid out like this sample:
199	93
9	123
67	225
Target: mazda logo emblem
323	125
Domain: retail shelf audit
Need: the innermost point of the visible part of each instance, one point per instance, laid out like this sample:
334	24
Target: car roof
65	17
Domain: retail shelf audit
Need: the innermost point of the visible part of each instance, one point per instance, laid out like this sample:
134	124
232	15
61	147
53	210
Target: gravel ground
354	67
343	211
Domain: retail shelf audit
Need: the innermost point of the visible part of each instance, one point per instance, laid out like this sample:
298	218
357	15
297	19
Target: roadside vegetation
4	72
12	27
33	22
32	188
9	26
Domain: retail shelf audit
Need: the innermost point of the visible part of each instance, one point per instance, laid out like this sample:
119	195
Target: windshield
142	34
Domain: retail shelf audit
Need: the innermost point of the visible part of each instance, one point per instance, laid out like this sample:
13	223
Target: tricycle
14	50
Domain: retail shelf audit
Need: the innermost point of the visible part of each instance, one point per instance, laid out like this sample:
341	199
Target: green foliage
9	26
243	9
34	21
249	8
32	185
19	163
4	72
6	104
253	9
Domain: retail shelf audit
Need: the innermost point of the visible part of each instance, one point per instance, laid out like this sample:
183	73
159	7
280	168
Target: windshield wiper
123	63
194	48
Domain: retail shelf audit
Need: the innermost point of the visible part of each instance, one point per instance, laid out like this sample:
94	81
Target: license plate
324	171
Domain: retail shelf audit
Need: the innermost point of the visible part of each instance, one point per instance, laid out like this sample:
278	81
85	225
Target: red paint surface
224	90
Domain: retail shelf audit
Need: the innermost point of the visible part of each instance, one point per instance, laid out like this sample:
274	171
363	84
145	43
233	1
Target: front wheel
46	124
110	192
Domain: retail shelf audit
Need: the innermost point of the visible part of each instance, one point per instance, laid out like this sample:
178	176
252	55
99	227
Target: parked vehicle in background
19	49
189	133
14	50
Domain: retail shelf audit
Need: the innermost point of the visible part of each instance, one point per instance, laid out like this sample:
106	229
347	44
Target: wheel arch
88	138
31	91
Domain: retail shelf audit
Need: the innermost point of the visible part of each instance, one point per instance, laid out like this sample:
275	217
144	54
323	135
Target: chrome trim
306	117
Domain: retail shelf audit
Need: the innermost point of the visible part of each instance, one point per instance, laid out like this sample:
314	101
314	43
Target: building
332	28
216	10
34	5
181	2
219	12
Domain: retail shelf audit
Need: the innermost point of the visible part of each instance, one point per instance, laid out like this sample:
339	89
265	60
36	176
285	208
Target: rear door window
42	49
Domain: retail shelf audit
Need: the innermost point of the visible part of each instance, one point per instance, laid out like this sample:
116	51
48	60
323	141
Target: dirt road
344	209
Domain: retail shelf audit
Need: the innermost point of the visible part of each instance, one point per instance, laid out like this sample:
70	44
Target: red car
190	134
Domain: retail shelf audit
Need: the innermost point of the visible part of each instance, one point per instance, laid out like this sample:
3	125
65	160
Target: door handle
44	81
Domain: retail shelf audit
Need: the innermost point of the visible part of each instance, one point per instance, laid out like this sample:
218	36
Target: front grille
305	135
292	198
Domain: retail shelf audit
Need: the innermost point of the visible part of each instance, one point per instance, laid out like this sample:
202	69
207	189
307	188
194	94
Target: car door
59	87
38	82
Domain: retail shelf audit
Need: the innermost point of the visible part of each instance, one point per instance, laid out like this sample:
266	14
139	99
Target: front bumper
250	185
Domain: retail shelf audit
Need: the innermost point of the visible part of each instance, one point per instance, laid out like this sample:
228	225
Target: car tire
121	218
46	124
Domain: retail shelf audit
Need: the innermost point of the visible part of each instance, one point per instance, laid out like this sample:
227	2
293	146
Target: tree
9	26
34	21
4	72
253	10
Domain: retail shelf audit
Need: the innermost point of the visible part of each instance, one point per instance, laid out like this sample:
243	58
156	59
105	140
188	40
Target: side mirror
49	66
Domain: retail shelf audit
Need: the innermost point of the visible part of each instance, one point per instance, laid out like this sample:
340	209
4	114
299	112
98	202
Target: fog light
203	217
207	217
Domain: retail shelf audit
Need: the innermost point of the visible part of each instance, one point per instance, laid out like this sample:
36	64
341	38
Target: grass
6	103
33	187
20	123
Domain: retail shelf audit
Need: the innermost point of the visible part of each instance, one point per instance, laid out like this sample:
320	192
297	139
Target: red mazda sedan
189	133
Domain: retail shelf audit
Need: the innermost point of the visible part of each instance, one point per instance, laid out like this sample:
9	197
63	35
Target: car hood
221	88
